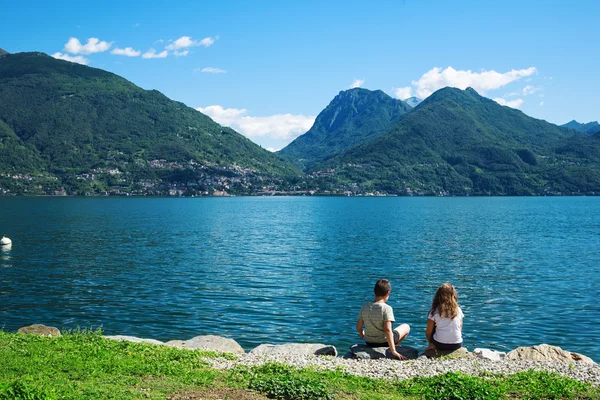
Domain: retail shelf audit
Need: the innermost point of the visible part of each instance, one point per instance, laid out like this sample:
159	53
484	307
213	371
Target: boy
377	317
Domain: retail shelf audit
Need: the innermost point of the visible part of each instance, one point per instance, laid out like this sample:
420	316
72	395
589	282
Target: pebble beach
421	367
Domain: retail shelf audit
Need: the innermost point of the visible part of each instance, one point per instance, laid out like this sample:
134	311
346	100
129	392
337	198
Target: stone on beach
488	354
209	343
133	339
364	352
304	349
460	353
40	330
544	352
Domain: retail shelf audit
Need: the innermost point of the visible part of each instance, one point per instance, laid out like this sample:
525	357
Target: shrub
282	382
19	390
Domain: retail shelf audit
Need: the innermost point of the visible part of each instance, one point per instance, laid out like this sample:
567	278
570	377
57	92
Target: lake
297	269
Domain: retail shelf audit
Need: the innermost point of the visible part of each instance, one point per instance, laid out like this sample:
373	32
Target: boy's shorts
385	344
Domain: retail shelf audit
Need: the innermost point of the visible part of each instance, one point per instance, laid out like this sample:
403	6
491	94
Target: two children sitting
444	322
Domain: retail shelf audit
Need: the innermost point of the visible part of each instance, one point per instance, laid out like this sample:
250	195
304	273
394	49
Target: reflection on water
5	255
276	270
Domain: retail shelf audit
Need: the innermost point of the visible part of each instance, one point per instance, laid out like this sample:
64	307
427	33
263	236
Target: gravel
421	367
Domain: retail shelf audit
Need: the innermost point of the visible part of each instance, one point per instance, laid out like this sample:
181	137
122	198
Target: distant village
195	180
160	177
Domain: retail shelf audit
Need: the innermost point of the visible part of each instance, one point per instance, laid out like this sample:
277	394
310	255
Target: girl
444	324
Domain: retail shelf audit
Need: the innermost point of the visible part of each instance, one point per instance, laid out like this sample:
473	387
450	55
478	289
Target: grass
84	365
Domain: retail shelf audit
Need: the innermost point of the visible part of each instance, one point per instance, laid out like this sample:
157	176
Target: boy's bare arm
389	335
359	328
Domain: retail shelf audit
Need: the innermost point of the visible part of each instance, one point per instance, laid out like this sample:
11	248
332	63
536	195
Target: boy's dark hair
382	287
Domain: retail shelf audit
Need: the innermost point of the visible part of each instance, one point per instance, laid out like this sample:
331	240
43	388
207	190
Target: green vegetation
68	129
353	117
459	143
84	365
69	119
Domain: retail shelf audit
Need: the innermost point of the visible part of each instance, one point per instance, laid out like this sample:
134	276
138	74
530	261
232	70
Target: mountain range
589	128
460	143
72	129
67	119
353	116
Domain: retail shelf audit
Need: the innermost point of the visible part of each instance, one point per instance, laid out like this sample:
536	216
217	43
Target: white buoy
4	241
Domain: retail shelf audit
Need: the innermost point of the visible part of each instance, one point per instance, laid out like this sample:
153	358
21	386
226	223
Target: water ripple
297	269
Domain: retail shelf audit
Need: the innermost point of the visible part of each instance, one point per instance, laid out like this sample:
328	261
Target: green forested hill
458	142
353	117
59	116
590	128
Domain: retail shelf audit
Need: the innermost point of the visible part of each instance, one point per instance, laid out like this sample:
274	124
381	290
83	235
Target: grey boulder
544	352
317	349
460	353
488	354
364	352
40	330
209	343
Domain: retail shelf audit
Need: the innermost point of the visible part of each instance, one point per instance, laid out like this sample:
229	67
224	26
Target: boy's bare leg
402	332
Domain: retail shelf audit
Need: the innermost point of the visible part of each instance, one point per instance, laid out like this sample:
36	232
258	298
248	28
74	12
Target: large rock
488	354
364	352
460	353
39	329
302	349
210	343
544	352
133	339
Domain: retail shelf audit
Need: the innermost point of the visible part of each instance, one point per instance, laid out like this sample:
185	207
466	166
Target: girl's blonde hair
445	301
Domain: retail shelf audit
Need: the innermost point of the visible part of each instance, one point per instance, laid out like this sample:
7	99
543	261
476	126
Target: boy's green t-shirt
374	315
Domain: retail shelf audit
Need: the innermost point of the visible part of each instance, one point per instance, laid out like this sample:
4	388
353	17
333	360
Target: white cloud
527	90
211	70
272	149
183	53
403	93
357	83
127	51
483	81
541	103
186	41
93	45
75	59
207	42
181	43
153	54
223	116
284	127
510	103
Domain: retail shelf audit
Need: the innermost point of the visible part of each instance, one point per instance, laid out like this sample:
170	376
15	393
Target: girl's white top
447	331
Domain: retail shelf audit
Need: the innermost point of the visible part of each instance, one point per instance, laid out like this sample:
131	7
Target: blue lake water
297	269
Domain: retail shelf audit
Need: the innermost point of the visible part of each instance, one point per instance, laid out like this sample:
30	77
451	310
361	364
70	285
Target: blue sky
267	68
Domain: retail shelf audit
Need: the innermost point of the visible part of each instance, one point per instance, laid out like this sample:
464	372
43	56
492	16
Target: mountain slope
413	101
64	116
459	142
590	128
353	117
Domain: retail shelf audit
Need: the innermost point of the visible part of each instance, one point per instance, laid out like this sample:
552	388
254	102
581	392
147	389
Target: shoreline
375	364
85	364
